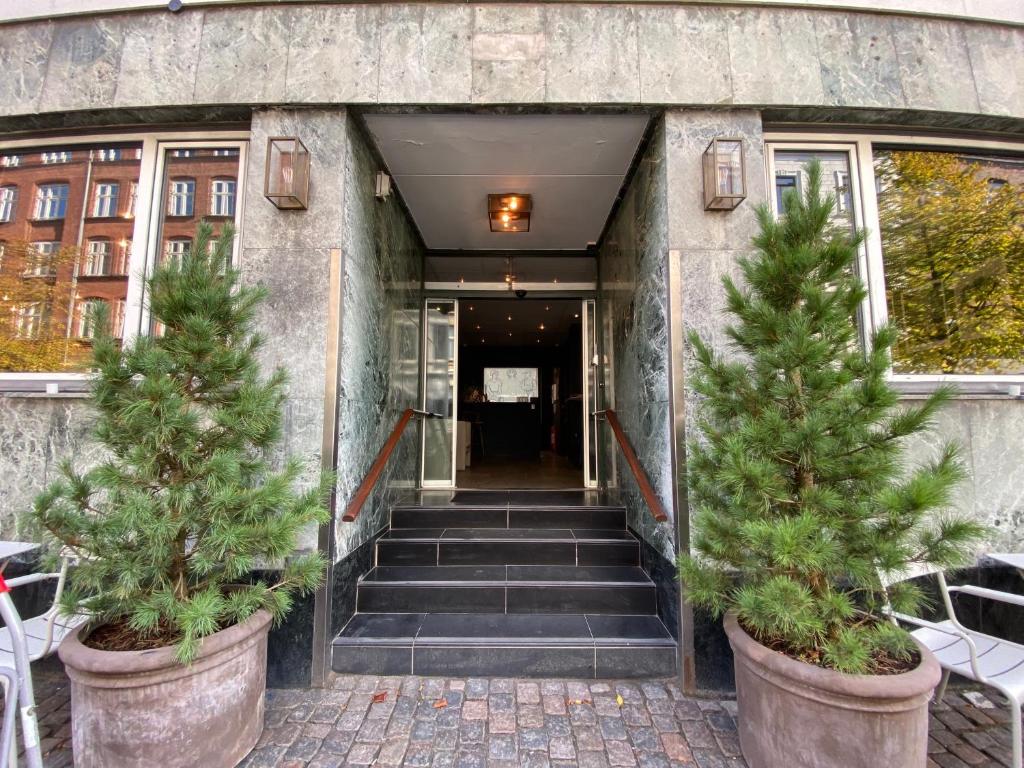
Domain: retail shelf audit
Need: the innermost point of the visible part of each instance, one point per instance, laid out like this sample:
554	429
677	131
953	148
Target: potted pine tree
169	528
805	511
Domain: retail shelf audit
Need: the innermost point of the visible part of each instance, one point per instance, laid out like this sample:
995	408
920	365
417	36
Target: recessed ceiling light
542	326
510	317
577	314
547	309
478	327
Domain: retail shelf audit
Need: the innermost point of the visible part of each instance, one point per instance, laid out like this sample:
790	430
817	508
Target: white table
1012	559
9	549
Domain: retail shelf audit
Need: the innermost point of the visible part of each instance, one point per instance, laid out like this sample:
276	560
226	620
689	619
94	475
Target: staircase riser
487	661
508	518
621	600
506	553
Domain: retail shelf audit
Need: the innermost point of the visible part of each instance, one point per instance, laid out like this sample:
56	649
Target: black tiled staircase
507	583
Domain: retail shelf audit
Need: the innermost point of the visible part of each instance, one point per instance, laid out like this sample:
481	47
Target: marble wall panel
24	51
509	45
159	61
632	264
333	54
84	59
380	343
684	56
935	67
858	60
773	55
36	435
243	56
997	62
425	53
592	54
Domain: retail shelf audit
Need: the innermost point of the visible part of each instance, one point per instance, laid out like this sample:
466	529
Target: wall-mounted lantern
724	175
509	212
286	183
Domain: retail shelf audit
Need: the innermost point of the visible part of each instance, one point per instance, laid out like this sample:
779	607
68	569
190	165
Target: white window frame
178	199
223	199
42	257
55	158
83	328
29	316
45	203
870	265
105	198
8	202
145	237
98	251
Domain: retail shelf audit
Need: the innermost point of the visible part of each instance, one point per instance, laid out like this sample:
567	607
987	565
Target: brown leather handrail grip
644	483
366	487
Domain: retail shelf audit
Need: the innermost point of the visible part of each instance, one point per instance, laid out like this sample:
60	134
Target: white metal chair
42	636
983	658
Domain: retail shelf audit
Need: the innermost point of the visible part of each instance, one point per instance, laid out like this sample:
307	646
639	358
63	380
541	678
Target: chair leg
12	750
941	690
1015	730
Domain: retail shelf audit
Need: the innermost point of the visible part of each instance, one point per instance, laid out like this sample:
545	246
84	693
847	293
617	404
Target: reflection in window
791	174
51	201
105	199
77	250
97	258
176	248
88	317
953	252
222	197
10	161
41	260
8	196
133	195
181	197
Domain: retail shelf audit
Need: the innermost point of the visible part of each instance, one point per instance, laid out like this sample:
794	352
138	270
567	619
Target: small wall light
286	183
724	175
509	212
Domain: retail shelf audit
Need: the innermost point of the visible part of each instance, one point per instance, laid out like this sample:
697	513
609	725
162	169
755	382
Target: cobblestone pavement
412	721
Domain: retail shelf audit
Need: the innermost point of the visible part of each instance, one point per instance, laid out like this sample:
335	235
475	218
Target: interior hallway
550	472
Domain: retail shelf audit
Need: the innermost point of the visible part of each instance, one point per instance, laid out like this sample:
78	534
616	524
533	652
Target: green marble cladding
380	342
633	268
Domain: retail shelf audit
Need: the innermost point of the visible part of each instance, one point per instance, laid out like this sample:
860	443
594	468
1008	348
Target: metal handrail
370	481
644	482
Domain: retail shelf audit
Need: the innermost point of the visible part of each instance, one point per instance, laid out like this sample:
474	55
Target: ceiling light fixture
509	212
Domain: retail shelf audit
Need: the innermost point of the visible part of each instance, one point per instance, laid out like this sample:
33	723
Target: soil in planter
119	636
885	664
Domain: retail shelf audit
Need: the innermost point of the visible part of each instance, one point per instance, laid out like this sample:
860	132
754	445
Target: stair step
507	589
456	644
508	546
512	516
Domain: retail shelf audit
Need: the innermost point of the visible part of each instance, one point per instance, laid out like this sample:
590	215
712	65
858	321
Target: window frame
145	237
111	202
45	201
8	204
871	267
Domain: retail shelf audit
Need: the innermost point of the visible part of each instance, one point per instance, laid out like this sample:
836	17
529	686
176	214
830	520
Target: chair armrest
32	578
990	594
949	630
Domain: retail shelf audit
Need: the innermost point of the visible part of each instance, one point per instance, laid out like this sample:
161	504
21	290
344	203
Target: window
952	247
105	199
28	320
51	201
181	197
222	197
133	195
177	247
8	197
3	249
97	258
791	173
41	259
783	183
69	232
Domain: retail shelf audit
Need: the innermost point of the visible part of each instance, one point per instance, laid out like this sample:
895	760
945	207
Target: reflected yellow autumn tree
953	242
36	295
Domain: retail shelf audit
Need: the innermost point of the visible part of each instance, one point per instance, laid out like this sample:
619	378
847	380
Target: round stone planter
796	715
140	709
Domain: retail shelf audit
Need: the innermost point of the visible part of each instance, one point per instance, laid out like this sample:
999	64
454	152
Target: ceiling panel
516	322
445	166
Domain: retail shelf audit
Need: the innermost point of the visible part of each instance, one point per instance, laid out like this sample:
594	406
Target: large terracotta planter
796	715
142	709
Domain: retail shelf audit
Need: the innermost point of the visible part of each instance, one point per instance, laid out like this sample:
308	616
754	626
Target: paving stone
676	748
558	725
552	688
501	747
534	760
613	728
652	760
502	722
392	751
593	760
502	685
362	754
472	757
444	759
561	748
418	755
619	753
472	731
474	710
644	739
533	739
303	748
476	688
527	693
530	716
501	702
589	738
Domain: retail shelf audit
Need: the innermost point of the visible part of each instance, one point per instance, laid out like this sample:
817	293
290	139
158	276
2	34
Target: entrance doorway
514	381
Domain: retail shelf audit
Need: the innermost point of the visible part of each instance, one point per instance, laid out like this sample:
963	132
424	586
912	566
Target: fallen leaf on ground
619	700
570	702
379	697
440	703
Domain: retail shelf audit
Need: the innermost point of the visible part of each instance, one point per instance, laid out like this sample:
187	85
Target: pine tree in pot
171	669
804	507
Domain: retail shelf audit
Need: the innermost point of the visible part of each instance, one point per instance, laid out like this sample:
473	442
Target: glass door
590	394
440	375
